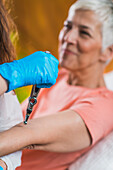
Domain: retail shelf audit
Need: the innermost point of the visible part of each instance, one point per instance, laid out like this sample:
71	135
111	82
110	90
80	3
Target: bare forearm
14	139
62	132
3	85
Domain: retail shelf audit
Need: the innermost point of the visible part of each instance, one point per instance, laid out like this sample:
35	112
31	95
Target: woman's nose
71	36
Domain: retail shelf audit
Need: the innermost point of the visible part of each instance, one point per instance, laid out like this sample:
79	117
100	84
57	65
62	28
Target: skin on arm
60	132
3	85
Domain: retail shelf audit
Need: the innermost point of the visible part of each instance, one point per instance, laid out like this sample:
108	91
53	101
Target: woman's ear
107	54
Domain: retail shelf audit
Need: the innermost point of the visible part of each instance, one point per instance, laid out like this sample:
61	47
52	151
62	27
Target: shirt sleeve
10	115
96	111
12	160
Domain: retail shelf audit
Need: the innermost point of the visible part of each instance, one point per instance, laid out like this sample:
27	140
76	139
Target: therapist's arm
3	85
60	132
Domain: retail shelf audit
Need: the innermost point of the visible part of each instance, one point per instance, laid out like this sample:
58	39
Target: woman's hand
39	68
3	165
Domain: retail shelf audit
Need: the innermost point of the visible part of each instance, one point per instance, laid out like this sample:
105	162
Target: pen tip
25	122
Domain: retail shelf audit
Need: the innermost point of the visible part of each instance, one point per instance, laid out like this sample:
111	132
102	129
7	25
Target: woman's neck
90	77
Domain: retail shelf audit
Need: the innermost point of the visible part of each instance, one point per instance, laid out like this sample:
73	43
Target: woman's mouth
67	51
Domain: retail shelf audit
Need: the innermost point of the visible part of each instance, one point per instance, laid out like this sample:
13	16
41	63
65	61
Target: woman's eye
67	26
85	33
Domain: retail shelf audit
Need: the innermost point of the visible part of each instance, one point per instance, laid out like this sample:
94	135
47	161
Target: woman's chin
63	65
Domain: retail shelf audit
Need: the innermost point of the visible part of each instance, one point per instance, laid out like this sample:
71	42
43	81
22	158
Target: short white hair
104	9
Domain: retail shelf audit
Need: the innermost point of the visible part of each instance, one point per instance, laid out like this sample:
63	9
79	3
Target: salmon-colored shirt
95	106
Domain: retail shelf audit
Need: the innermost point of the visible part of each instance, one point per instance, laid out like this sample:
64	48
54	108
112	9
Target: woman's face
80	41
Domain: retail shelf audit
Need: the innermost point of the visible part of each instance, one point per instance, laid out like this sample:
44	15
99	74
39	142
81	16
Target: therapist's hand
39	68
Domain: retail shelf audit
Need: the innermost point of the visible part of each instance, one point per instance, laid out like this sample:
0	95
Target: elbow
77	135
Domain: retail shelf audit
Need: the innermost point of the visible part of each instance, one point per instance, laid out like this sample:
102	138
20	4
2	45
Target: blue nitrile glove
39	68
1	168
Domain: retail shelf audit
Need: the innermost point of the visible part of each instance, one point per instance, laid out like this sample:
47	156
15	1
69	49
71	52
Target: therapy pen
32	102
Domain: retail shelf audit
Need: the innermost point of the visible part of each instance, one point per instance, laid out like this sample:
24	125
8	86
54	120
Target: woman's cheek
86	46
60	38
61	35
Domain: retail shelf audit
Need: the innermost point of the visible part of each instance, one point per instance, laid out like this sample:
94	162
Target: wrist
3	85
3	164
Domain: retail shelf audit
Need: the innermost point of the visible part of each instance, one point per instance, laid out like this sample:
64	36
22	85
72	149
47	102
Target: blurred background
39	23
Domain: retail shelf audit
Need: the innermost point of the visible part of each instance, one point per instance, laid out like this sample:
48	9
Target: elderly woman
76	112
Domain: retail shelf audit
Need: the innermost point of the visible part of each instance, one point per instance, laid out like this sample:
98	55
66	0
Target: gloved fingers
44	85
51	76
53	63
47	77
52	58
40	57
54	68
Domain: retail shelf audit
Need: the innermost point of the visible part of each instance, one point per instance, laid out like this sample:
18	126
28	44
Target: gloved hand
39	68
